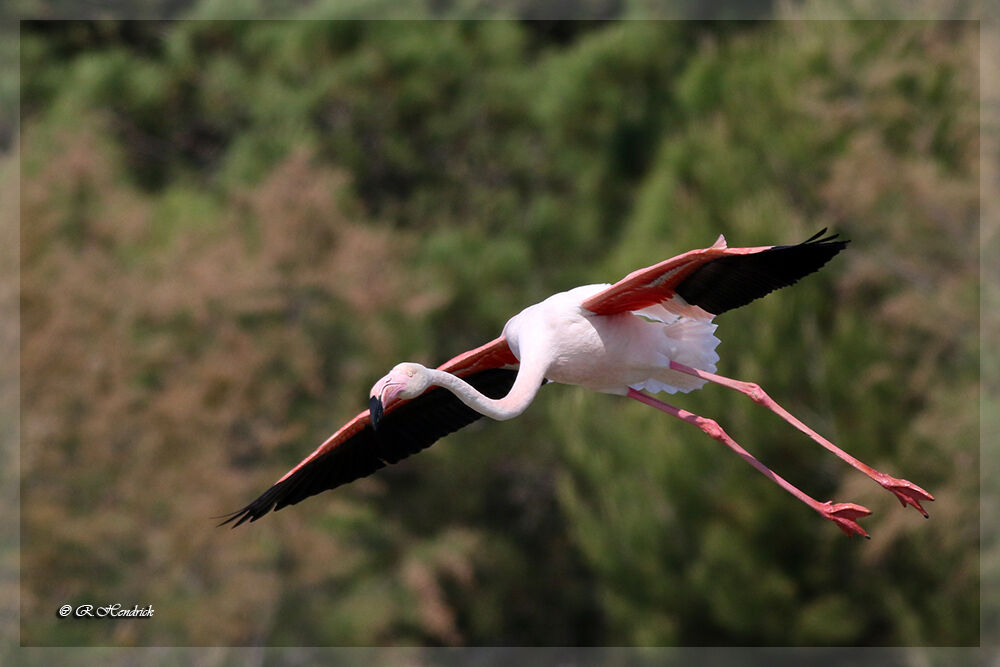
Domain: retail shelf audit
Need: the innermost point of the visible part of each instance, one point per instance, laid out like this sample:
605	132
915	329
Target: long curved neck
526	385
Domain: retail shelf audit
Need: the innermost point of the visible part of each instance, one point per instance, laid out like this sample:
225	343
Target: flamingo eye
409	373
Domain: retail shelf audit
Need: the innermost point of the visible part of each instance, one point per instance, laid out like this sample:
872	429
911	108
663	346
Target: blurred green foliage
230	230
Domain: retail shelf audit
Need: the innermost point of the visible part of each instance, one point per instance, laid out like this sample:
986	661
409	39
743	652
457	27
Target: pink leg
845	515
907	492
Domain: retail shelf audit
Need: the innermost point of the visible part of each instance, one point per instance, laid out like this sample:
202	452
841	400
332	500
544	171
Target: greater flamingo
650	331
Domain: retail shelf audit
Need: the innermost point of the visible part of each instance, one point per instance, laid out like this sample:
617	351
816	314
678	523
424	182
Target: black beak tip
376	411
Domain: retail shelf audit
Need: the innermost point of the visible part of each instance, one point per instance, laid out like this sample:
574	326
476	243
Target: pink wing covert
495	354
657	284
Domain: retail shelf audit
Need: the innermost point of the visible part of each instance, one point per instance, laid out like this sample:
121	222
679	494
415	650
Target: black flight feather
406	430
735	280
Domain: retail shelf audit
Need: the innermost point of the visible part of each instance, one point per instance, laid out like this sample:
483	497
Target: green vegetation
230	230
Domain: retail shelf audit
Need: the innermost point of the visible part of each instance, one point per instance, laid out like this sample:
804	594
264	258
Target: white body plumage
612	353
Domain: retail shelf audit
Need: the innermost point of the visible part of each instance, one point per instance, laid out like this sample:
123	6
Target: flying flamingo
650	331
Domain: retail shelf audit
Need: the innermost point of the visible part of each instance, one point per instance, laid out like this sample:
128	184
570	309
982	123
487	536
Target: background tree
231	229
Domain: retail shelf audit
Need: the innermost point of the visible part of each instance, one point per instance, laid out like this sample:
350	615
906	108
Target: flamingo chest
604	353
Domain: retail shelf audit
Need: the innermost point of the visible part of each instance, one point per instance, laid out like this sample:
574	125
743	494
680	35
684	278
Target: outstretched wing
495	354
356	450
716	279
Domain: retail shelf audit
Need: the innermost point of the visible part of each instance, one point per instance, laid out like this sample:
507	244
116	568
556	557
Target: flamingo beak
383	395
376	410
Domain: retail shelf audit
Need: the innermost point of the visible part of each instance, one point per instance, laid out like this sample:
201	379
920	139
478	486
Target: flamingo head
405	381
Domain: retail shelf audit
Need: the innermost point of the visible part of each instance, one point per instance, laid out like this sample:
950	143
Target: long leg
845	515
907	492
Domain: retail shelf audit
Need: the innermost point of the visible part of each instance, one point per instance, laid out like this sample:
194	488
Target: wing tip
241	514
818	239
261	506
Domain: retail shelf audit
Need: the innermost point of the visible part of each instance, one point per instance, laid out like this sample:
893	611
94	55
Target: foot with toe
845	515
907	492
